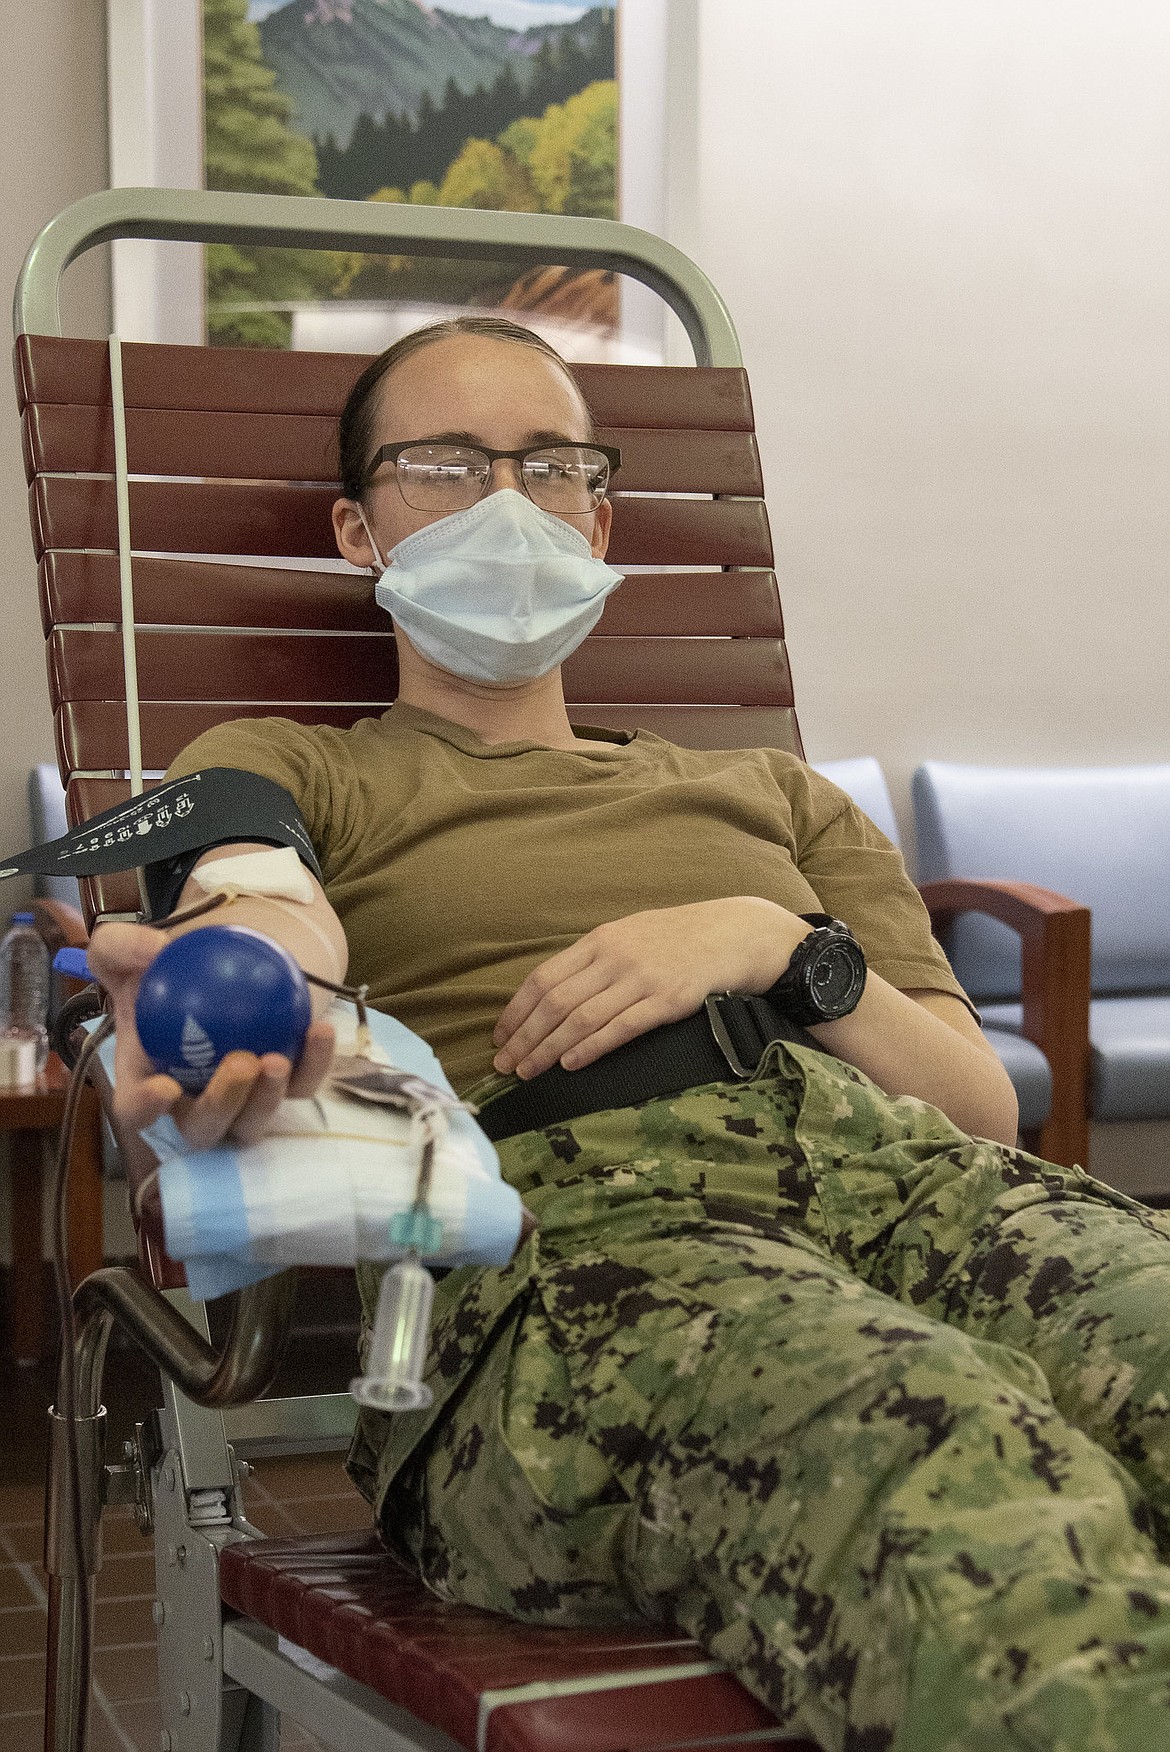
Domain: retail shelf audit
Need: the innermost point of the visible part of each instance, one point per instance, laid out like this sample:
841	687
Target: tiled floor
283	1496
301	1495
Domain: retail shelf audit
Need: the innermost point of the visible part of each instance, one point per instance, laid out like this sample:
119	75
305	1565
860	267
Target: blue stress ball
220	989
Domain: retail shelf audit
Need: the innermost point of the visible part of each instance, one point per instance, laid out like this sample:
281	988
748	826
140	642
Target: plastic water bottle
24	986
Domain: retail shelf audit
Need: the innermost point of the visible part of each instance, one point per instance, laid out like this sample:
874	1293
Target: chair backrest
231	454
241	605
47	821
1101	835
864	781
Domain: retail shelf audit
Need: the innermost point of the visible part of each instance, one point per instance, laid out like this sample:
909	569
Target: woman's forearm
908	1048
634	973
311	932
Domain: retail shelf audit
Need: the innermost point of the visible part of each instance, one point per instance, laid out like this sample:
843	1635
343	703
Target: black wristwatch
826	976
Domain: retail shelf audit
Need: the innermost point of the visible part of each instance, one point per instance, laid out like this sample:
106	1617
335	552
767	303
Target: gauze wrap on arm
274	874
323	1188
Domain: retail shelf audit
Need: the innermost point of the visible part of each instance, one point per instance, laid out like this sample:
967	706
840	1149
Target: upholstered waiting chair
1102	834
863	779
48	821
1025	1064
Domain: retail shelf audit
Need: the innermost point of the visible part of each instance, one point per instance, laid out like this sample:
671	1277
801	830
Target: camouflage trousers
875	1412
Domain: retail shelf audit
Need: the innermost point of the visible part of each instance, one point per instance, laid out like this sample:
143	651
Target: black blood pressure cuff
166	831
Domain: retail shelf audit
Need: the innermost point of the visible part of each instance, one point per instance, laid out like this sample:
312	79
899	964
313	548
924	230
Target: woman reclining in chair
813	1362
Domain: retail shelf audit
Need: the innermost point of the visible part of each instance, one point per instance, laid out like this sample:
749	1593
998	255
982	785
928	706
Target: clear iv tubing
393	1379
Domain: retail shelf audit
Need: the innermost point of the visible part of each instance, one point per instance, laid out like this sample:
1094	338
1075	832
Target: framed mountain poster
504	104
487	103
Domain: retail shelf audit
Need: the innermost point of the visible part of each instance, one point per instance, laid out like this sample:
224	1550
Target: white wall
943	231
52	150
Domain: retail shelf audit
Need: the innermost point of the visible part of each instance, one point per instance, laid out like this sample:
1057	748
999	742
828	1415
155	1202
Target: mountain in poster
336	60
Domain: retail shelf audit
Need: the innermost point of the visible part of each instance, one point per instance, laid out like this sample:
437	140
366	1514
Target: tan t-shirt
457	866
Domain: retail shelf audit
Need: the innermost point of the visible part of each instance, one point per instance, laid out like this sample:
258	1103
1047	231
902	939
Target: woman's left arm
928	1044
633	974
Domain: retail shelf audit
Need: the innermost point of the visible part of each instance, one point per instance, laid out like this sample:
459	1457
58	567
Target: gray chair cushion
1024	1063
46	816
1130	1046
1101	835
1131	1057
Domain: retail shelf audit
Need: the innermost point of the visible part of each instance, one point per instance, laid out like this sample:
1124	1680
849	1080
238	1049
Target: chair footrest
491	1683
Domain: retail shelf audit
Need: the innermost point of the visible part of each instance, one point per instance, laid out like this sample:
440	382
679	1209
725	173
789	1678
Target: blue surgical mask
501	592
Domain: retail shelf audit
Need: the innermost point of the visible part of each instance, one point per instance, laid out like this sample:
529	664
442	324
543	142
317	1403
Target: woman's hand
635	973
653	967
244	1092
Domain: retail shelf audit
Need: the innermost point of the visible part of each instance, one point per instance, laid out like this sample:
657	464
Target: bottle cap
73	962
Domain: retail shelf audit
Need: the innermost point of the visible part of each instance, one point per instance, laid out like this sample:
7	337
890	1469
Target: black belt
724	1040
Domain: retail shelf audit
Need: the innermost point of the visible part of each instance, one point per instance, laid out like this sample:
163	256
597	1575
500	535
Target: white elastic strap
126	587
125	570
370	538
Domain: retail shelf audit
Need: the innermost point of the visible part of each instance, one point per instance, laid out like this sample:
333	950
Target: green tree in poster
484	176
250	146
571	154
564	161
398	151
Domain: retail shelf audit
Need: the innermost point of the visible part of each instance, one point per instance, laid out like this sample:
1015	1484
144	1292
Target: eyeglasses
569	478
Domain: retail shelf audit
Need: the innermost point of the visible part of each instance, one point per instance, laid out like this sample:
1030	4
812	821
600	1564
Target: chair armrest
1055	954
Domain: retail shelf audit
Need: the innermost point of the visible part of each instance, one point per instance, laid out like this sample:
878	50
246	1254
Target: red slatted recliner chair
230	454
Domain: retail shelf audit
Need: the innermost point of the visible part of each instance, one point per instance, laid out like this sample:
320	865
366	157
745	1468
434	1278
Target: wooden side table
26	1114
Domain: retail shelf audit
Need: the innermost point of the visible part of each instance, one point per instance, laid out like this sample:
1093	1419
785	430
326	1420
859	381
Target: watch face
836	978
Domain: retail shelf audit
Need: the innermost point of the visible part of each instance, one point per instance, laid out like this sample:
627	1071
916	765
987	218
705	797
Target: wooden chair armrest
1055	954
1022	905
60	924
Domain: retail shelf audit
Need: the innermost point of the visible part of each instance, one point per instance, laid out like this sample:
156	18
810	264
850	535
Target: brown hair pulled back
355	426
